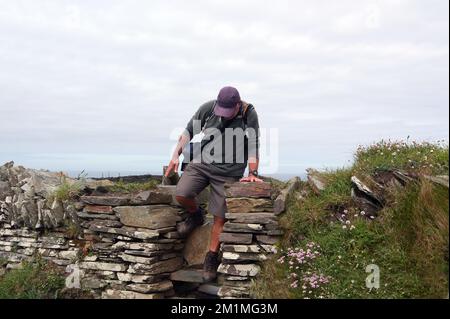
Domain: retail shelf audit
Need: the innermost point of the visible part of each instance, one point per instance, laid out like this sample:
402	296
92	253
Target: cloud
113	77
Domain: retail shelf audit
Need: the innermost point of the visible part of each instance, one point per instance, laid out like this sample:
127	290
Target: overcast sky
102	85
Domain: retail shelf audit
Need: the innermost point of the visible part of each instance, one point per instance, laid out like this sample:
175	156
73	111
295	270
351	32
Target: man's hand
175	162
173	166
251	179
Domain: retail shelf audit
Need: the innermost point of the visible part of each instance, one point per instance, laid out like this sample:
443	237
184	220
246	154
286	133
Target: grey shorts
196	177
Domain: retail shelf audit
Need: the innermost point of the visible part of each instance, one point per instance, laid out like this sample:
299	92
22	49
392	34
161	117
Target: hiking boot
190	223
210	266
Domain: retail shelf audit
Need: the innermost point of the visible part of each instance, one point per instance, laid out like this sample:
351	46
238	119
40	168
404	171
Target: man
233	131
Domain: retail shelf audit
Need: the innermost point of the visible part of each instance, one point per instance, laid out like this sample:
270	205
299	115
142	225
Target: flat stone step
188	275
255	190
209	289
105	200
236	238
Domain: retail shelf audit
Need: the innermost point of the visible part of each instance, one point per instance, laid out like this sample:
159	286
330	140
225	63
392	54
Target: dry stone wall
126	245
249	236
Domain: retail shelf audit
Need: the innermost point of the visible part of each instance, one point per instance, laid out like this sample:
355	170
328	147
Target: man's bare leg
212	257
215	233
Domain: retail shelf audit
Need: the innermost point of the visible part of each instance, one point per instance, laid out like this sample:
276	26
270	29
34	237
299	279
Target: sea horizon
121	173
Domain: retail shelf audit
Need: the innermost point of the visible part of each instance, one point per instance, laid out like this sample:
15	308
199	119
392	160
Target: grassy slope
35	280
408	241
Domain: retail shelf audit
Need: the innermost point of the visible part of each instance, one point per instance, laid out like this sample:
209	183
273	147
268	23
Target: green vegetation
275	183
425	158
72	229
408	241
67	190
123	187
35	280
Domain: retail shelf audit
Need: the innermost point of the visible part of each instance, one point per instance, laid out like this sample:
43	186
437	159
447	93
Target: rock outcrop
316	181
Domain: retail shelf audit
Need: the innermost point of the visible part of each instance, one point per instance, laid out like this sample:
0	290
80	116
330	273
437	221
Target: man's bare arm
253	164
175	162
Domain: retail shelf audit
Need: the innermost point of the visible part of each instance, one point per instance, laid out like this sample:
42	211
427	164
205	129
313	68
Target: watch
254	173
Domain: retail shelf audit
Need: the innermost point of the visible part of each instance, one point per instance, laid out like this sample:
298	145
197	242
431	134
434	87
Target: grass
123	187
72	229
66	190
337	194
35	280
408	241
275	183
425	158
420	224
70	190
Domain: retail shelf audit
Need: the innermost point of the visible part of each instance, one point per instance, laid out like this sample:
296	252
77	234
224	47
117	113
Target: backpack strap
210	115
245	107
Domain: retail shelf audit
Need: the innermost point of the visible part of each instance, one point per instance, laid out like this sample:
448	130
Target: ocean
108	174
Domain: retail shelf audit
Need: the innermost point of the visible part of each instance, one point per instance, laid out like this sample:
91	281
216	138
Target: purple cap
227	102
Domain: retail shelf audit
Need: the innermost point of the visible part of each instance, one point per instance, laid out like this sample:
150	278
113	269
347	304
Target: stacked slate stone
18	245
21	240
30	223
126	245
133	244
249	236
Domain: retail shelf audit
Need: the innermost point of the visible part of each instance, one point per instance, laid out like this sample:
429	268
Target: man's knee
182	198
183	193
